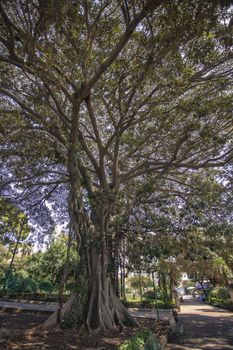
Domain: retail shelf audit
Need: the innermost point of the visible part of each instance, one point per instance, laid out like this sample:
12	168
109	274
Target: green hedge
18	284
220	297
148	304
220	303
220	293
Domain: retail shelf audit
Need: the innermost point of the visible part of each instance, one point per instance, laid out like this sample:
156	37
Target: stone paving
205	327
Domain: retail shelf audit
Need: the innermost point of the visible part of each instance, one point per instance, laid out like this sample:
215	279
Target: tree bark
123	271
140	284
105	310
231	294
94	303
155	295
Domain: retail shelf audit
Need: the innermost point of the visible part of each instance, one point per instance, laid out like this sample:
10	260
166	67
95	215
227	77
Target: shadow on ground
206	331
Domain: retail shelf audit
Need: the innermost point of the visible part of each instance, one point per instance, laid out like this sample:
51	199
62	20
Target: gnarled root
106	311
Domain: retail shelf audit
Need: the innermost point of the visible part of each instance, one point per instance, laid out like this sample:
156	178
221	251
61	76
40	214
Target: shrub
29	285
2	274
21	274
223	293
15	284
147	304
220	293
70	286
46	286
137	342
149	295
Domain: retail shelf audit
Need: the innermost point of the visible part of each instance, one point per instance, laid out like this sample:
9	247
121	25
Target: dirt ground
22	334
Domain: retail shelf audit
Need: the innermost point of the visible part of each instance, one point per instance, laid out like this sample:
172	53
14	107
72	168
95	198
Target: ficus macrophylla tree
95	97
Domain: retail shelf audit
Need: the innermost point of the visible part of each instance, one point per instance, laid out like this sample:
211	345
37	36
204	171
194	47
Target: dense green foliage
148	304
137	282
220	297
39	272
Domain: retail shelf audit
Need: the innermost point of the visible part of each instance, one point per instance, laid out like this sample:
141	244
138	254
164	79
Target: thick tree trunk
114	264
116	274
95	303
123	287
105	310
155	295
171	285
231	293
163	286
140	284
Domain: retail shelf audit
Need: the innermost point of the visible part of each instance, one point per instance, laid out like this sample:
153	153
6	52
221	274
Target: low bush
16	284
28	285
46	286
149	295
220	297
70	286
137	342
148	304
221	293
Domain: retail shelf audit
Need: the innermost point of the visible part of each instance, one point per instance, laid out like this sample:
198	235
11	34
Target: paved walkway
27	306
164	314
206	327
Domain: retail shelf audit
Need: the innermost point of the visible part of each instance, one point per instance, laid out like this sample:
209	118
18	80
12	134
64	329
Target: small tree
140	283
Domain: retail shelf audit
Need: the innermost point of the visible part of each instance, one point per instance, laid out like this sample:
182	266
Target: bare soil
24	333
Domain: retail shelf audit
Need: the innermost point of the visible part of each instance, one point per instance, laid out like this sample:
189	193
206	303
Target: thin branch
149	6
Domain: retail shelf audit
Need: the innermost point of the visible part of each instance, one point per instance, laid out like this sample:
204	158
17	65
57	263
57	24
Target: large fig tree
97	96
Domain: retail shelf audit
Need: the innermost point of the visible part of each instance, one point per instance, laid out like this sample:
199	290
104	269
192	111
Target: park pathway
206	327
41	307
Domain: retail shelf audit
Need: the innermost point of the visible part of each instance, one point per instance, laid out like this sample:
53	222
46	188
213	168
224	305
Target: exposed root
106	311
52	321
95	304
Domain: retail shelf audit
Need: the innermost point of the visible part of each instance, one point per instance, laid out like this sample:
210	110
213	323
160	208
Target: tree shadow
213	310
207	332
